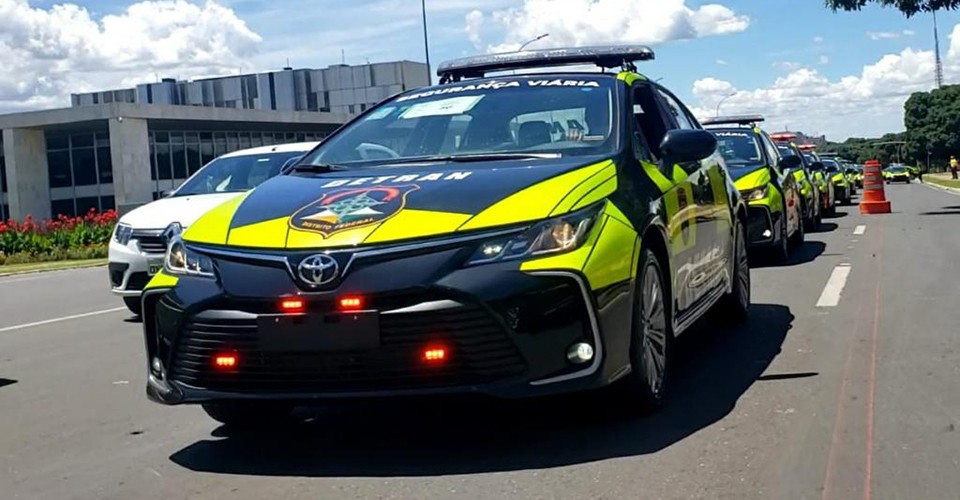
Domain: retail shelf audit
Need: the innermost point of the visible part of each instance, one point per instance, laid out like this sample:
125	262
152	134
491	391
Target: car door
714	219
678	190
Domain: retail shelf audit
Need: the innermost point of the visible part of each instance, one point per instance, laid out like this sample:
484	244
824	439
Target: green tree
908	7
932	120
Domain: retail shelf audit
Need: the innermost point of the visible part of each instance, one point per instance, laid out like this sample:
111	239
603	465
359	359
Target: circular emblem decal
318	270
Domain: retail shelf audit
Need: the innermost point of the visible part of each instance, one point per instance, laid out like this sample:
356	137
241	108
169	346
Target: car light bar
612	56
732	120
807	147
783	136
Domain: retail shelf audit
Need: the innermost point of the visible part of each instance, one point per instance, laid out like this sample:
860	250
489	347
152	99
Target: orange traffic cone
874	200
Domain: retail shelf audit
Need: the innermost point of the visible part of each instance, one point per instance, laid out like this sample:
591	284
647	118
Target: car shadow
715	366
6	381
941	212
826	227
836	215
803	254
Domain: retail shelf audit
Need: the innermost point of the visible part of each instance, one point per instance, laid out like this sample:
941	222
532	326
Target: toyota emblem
318	270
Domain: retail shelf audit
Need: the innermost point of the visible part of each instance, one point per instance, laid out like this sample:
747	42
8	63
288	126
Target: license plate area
154	267
331	332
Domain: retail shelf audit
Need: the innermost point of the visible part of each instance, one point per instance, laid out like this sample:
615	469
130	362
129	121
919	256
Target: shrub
56	239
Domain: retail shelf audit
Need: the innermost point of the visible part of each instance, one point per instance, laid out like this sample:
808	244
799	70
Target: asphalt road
857	400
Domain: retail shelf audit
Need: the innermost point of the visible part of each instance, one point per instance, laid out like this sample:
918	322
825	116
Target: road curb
84	265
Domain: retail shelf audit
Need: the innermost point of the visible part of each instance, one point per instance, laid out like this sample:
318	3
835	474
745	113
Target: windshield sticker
442	107
498	85
394	179
350	208
381	113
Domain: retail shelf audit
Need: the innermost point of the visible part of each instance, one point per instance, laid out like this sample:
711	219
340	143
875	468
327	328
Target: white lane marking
830	296
58	320
860	229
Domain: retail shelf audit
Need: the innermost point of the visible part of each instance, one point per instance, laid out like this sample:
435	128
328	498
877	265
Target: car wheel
134	305
735	306
248	414
781	249
644	388
798	236
810	222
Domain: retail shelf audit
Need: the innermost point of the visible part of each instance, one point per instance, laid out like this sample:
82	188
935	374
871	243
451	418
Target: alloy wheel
654	335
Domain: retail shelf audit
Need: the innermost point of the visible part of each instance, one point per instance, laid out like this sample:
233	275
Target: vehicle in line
838	178
514	235
896	174
776	210
137	248
812	180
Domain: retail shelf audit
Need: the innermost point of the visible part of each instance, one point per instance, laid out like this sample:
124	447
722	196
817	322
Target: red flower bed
60	235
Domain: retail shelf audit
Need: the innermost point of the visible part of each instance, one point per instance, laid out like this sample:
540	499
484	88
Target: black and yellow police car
776	210
510	235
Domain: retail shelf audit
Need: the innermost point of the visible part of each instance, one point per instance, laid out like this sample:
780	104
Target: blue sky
791	40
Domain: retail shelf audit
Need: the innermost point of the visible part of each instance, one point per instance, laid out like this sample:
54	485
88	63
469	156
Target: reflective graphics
214	226
350	208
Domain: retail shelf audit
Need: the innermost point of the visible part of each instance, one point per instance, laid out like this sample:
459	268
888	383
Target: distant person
920	174
954	165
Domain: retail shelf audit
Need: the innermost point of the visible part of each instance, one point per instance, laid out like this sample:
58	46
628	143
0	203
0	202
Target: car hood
183	209
750	178
386	204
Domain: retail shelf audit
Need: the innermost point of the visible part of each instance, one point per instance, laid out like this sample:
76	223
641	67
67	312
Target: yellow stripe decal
609	263
213	226
654	173
416	224
161	280
267	234
598	193
585	187
535	202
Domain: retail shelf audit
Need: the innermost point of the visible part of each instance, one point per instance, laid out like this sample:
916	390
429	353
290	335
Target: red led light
434	354
351	303
291	305
225	361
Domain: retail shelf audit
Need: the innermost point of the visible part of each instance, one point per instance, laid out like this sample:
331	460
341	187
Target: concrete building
122	148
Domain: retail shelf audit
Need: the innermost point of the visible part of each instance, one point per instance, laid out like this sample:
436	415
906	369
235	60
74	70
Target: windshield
532	115
896	169
740	150
831	165
236	173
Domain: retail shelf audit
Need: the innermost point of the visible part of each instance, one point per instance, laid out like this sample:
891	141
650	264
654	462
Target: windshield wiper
470	158
318	168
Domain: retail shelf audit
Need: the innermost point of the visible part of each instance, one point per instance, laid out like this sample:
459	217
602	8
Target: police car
137	248
506	235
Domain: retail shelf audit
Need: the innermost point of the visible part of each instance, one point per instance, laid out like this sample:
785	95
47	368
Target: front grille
151	243
481	351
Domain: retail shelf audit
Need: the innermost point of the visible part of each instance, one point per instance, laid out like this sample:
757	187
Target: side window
772	152
684	121
649	124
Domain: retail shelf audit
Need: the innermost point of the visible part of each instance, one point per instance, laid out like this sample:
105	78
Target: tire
810	223
781	250
735	306
643	390
798	237
134	305
248	414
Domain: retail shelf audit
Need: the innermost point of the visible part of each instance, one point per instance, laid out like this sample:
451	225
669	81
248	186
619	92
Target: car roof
293	147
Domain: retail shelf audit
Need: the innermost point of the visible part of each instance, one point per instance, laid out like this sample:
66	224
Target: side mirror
790	162
685	146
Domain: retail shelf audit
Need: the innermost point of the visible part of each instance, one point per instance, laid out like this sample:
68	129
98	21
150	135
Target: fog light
767	233
157	367
580	353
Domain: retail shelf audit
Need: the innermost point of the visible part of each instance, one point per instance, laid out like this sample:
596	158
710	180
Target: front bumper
131	266
761	224
507	331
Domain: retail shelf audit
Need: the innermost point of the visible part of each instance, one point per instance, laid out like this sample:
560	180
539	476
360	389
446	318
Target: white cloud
582	22
786	66
48	53
824	60
818	39
868	104
889	35
474	27
722	62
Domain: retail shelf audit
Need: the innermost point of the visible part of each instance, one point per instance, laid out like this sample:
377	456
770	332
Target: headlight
181	260
755	194
552	236
122	234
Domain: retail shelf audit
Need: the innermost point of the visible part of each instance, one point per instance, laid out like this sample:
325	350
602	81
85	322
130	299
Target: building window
58	163
107	203
193	158
85	205
84	166
63	207
178	154
105	165
164	166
